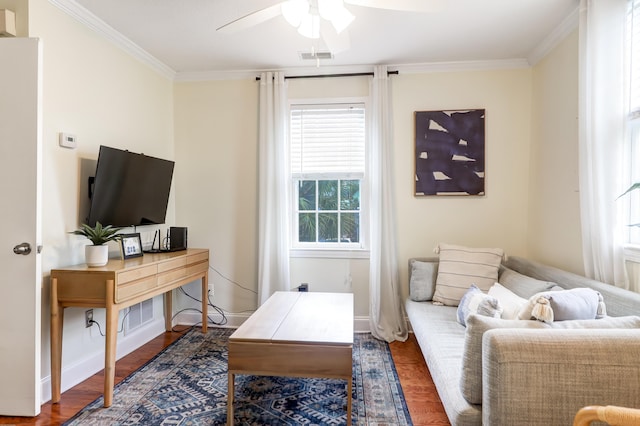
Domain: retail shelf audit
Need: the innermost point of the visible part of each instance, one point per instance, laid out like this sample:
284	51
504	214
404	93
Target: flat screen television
129	189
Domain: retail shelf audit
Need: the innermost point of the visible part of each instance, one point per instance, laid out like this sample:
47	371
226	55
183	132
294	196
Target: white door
20	191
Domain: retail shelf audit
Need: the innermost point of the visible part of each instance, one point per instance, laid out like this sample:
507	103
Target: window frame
331	250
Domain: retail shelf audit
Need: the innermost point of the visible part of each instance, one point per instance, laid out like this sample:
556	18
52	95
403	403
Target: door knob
23	248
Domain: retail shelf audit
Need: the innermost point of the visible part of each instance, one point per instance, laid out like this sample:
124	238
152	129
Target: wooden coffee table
295	334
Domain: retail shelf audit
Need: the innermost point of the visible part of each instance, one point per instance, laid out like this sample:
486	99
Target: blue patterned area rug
186	384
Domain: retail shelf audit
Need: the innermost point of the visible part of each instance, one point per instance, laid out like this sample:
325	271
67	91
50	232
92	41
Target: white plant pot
95	256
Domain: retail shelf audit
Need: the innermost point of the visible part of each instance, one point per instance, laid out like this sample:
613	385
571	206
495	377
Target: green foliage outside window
329	211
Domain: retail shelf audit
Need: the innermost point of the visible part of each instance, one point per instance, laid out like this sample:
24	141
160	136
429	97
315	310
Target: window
328	158
633	120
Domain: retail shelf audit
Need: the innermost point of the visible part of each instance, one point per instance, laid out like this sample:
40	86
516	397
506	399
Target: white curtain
601	134
386	310
273	256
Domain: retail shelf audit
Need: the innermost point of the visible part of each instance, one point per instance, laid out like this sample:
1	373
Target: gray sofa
537	375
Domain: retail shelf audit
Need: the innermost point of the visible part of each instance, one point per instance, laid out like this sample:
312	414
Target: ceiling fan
326	19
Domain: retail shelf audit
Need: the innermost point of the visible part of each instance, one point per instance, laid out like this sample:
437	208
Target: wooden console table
117	285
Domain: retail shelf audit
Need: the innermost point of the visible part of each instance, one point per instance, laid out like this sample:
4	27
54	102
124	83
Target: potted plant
97	253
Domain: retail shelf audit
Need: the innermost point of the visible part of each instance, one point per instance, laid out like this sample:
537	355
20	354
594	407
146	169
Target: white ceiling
182	34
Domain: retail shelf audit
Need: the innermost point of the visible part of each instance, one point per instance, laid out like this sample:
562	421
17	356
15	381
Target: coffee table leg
349	402
230	399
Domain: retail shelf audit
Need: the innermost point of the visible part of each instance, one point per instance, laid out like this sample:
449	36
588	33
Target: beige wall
217	121
216	154
103	96
497	219
554	225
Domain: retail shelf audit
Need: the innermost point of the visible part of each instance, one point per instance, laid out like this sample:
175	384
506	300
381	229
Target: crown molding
252	74
84	16
432	67
554	38
401	68
195	76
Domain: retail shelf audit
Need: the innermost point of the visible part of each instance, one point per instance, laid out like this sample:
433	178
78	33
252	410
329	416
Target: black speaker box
177	238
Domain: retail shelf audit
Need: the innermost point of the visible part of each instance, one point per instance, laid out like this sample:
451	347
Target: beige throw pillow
459	267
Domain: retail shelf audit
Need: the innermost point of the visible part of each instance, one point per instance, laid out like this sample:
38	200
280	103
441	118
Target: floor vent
139	315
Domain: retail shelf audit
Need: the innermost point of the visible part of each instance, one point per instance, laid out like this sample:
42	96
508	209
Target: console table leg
205	300
110	345
230	395
349	400
168	310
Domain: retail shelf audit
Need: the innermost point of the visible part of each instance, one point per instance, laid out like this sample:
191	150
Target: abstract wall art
449	154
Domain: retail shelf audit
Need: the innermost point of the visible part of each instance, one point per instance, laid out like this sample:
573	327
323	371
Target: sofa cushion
471	378
523	285
574	304
441	341
475	301
510	302
459	267
630	321
422	282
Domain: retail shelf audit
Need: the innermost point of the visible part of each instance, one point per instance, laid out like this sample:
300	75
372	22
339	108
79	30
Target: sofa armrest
543	377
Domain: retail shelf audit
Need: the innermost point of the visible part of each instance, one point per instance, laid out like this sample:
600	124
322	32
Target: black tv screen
130	189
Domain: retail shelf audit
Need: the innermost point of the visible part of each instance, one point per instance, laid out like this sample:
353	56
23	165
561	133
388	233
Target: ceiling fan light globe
342	19
294	10
310	26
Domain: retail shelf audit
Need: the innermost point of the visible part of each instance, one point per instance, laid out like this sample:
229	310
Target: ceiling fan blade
336	43
253	18
402	5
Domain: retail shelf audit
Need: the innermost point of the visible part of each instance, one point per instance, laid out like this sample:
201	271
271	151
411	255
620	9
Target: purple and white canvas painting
450	152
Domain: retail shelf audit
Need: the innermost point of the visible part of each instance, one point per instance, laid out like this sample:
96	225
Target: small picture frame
131	245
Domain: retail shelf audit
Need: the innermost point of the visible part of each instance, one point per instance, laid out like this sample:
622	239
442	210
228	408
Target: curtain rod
356	74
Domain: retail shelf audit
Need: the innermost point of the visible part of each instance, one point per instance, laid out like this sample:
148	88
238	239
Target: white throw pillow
459	267
511	303
475	301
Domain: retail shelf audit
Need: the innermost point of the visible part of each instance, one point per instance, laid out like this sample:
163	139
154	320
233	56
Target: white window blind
327	141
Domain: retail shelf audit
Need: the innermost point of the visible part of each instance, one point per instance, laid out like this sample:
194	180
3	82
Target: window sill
329	253
631	252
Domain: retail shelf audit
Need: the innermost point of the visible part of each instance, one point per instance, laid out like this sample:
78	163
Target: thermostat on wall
67	140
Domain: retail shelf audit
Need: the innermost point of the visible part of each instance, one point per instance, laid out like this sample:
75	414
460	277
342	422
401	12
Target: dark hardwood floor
419	391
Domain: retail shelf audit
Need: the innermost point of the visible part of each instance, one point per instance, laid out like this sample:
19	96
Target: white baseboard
361	324
83	369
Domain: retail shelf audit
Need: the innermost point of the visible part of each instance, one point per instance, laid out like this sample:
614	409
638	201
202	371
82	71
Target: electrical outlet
88	318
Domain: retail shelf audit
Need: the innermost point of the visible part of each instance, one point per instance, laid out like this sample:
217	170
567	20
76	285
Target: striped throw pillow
459	267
